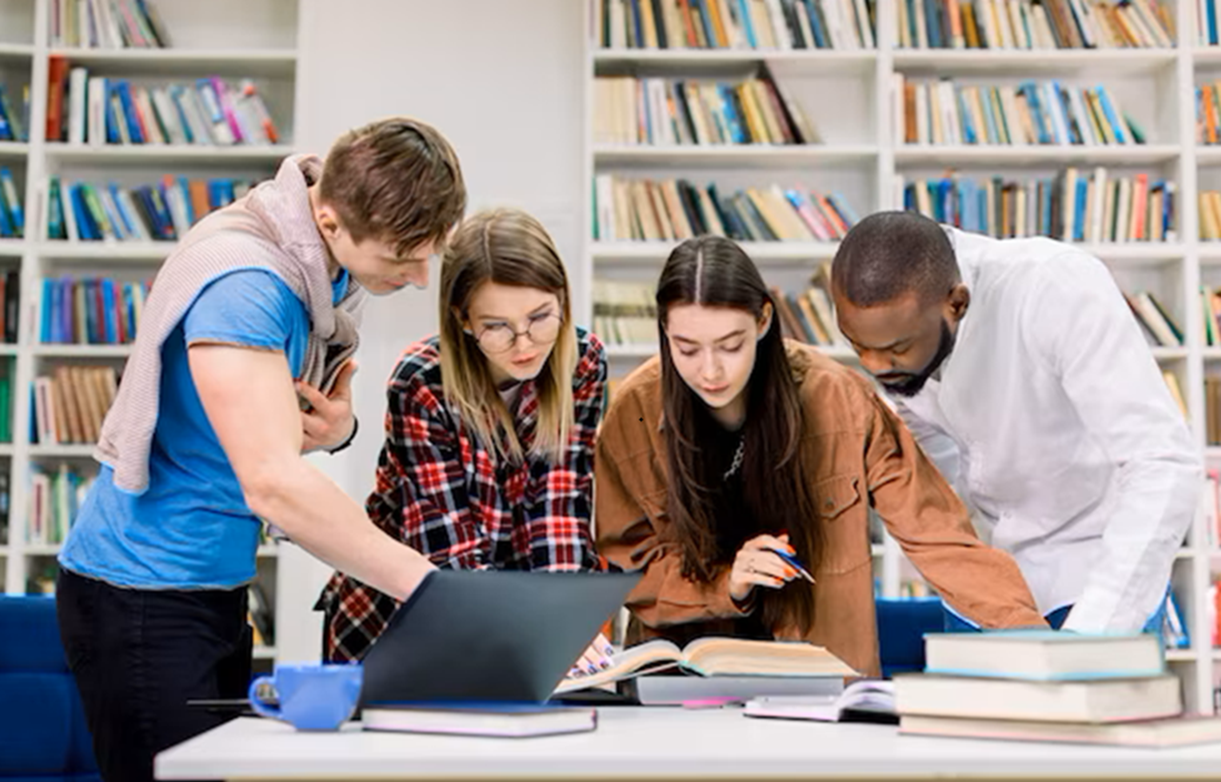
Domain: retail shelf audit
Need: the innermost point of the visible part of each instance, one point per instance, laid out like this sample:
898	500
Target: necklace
737	459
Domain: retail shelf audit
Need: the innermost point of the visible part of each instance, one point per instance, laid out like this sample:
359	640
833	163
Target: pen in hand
793	562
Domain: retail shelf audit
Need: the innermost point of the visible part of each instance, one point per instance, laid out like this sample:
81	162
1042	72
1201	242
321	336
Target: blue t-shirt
191	528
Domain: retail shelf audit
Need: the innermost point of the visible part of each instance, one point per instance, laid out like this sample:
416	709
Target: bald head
891	254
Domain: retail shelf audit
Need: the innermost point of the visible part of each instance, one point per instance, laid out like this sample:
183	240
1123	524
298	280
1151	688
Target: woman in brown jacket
733	445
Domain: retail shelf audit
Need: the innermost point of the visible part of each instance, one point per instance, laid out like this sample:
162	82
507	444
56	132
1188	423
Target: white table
661	743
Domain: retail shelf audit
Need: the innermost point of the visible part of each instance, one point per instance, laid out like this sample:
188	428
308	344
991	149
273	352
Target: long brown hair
509	247
714	271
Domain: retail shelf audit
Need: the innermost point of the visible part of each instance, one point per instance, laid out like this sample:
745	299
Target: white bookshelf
228	38
847	95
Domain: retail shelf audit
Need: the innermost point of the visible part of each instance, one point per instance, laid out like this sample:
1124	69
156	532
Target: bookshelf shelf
163	154
877	549
1180	655
1035	62
1136	253
789	62
13	149
82	351
752	155
1212	452
1208	155
1032	155
640	352
1211	354
6	451
268	551
194	62
77	451
8	351
3	551
762	252
75	250
1206	56
42	549
15	51
264	653
1169	354
12	248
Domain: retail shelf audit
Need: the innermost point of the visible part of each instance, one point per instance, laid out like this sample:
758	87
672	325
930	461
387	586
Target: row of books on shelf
1073	206
809	316
14	125
625	312
12	214
70	405
942	111
1031	24
1208	113
162	211
643	209
55	498
666	112
107	24
735	24
1212	409
1160	328
1210	214
91	311
10	295
1206	24
207	111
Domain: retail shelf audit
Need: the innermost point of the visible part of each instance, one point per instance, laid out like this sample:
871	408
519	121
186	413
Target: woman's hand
757	565
596	658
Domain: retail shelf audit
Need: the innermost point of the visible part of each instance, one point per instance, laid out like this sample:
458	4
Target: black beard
913	383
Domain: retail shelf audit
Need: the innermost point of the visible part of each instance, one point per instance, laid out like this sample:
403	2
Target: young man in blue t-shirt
241	366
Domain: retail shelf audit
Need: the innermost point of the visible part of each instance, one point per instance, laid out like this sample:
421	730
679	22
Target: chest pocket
842	512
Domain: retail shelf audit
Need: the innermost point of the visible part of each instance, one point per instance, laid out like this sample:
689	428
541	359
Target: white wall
502	81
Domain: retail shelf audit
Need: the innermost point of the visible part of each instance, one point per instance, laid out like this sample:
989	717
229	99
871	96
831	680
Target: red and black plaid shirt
441	491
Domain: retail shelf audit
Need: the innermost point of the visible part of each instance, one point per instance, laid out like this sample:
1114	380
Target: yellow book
754	120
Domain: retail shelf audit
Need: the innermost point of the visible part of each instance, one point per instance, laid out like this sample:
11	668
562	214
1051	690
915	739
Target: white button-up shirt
1052	420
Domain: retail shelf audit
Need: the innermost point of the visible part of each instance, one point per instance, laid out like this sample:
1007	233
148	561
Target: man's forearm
318	516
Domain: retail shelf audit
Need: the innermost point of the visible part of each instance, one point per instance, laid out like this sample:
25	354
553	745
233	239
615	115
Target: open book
868	700
716	656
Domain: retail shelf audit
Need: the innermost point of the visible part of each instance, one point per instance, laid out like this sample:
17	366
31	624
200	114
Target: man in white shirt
1019	368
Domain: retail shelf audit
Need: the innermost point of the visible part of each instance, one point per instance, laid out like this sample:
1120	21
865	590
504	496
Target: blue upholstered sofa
43	736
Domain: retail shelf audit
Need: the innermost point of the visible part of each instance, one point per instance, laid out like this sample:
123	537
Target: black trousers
139	655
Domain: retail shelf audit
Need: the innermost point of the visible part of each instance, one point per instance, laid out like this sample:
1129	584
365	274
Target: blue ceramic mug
312	697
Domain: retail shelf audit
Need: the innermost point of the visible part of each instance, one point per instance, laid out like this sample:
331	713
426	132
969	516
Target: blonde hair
509	247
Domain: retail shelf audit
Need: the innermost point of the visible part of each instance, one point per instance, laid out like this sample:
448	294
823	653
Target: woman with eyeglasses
488	459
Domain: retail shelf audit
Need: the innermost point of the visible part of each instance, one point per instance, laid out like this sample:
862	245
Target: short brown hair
396	180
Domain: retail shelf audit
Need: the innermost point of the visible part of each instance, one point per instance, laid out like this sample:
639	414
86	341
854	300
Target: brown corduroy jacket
862	456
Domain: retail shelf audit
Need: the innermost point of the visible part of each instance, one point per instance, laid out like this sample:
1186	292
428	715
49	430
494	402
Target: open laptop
489	635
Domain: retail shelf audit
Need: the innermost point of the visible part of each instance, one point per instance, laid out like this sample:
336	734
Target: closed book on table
1043	655
1172	732
1099	700
508	720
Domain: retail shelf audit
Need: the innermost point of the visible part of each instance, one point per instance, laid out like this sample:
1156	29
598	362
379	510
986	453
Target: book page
633	661
712	656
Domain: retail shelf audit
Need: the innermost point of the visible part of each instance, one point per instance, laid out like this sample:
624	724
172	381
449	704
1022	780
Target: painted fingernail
789	572
605	664
792	550
591	667
608	649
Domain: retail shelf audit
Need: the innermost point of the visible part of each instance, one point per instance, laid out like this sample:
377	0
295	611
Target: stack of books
1048	686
